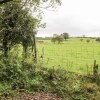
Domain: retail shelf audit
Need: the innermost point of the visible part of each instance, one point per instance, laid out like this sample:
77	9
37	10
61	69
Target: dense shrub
10	69
18	75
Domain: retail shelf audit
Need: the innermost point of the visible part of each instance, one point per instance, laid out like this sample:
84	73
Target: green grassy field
72	54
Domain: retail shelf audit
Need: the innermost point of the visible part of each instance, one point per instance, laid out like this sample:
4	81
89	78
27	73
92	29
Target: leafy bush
21	75
10	69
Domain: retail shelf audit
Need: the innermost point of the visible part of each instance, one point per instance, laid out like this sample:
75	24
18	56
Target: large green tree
16	22
4	1
16	26
35	2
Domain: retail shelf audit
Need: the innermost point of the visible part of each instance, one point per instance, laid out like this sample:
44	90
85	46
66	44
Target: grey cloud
76	19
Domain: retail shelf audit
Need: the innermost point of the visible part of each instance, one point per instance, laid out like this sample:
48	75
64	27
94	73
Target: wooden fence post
95	71
35	49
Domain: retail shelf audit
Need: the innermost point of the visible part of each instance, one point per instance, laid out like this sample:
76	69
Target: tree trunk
35	51
5	45
25	47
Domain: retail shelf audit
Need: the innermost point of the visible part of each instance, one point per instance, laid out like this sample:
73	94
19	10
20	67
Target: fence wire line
74	55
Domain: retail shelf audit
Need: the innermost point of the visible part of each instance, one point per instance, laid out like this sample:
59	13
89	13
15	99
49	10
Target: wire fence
71	55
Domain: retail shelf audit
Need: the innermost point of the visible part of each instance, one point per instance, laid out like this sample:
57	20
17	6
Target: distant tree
87	41
53	40
65	35
59	39
81	39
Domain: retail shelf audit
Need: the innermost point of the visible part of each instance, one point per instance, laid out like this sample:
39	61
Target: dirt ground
39	96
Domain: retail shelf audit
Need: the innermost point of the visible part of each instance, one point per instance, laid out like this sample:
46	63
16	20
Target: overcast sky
77	17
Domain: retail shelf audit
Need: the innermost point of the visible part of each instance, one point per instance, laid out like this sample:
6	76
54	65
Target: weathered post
95	71
35	49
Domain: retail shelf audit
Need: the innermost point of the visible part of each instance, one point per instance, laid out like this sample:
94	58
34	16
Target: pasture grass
72	54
